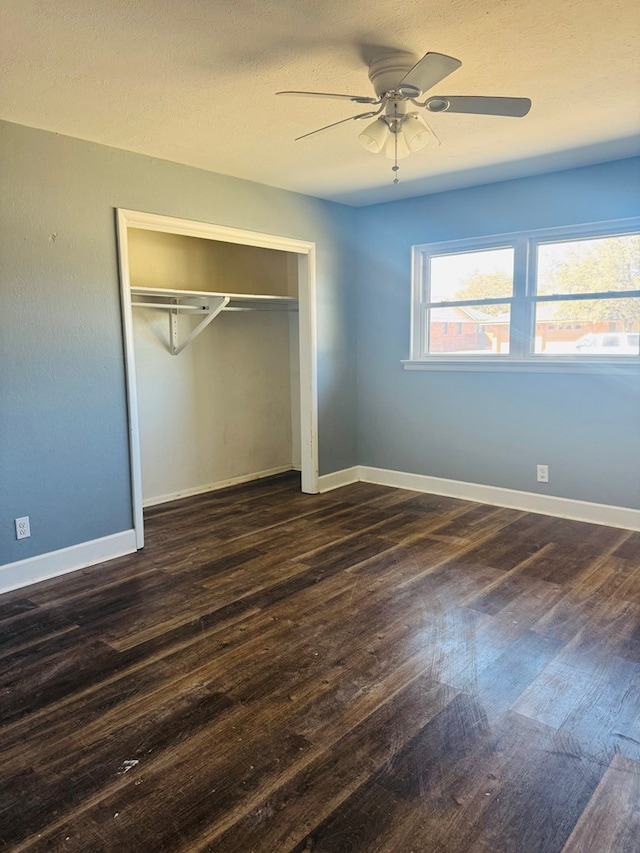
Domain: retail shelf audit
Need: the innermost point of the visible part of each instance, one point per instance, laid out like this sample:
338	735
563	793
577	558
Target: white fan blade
515	107
356	99
430	70
342	121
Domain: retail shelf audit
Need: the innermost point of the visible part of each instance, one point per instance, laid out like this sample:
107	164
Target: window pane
590	266
471	275
469	330
591	327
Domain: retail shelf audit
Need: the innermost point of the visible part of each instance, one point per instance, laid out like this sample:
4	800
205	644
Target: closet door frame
306	252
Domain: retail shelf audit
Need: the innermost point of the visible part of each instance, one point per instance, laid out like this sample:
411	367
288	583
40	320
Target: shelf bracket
177	302
215	304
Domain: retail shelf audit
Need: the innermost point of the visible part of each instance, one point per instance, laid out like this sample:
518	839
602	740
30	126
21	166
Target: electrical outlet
543	473
23	529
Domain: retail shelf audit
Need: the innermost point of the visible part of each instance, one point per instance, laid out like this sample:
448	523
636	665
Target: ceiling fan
399	82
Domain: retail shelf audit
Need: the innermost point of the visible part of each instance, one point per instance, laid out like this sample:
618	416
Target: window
589	282
469	293
561	296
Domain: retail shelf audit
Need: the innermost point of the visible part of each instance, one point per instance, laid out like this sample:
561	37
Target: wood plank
422	765
280	821
611	820
15	607
541	791
629	549
502	681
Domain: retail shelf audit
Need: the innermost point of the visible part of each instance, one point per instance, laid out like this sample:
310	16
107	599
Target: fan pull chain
395	168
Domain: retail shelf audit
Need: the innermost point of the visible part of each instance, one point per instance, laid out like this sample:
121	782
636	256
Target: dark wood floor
366	670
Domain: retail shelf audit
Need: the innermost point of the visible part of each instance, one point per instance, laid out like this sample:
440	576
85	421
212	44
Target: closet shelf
208	303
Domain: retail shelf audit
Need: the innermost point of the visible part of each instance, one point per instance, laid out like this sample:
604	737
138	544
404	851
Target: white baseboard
45	566
327	482
576	510
213	487
593	513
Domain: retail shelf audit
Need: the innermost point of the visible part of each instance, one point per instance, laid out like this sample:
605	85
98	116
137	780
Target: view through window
481	286
598	314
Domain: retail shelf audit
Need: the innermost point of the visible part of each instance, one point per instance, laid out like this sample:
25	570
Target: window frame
522	302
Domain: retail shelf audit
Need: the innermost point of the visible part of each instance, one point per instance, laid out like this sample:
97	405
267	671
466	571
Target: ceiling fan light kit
374	136
396	148
416	131
411	131
399	81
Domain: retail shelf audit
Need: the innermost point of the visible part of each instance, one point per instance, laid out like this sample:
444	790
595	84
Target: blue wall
63	428
491	428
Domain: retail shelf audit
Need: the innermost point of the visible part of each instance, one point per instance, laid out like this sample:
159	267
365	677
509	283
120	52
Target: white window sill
499	364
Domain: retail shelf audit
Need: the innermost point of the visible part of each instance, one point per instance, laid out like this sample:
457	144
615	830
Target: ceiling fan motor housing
387	71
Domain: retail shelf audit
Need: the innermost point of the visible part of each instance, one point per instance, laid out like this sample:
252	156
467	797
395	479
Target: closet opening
220	352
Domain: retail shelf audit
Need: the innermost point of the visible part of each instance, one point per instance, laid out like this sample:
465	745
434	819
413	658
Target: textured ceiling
194	82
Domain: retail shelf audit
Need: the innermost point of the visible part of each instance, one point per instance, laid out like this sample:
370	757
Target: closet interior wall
226	408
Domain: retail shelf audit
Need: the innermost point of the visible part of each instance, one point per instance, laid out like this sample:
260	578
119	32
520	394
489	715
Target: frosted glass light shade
415	132
374	135
390	147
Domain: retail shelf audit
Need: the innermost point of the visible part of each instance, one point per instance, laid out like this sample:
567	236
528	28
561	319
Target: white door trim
306	252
